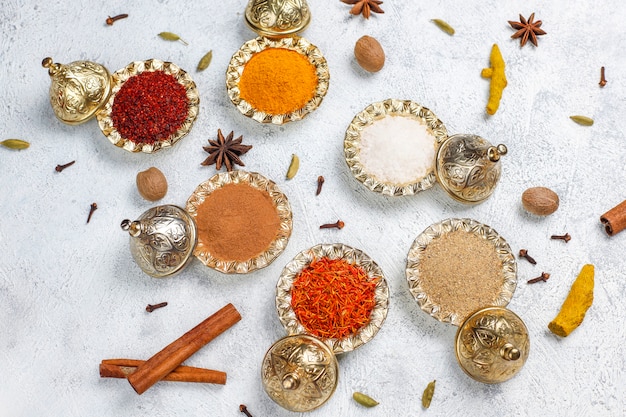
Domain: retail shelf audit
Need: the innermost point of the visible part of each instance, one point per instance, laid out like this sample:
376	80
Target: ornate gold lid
162	240
77	90
492	345
468	167
277	18
300	373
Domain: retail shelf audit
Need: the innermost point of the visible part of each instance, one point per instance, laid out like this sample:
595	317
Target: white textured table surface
71	295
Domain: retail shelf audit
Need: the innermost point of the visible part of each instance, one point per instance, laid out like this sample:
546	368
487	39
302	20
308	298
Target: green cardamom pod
443	25
293	167
205	61
427	396
15	144
364	400
582	120
169	36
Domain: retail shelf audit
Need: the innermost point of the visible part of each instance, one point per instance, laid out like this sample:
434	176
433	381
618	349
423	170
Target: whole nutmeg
541	201
369	54
152	184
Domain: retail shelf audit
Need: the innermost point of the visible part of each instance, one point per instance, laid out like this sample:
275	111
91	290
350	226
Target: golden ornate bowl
249	49
353	256
283	209
432	233
378	111
135	68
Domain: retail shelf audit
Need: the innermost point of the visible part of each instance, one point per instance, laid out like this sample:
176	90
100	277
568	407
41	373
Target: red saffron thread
149	107
333	298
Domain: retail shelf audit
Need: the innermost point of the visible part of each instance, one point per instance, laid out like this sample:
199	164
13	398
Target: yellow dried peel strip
498	79
576	304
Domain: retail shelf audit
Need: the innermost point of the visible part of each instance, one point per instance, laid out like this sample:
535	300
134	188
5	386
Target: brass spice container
82	90
492	345
164	238
277	18
299	372
466	166
278	24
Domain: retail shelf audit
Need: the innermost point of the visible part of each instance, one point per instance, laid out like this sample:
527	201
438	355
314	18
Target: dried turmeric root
498	79
575	305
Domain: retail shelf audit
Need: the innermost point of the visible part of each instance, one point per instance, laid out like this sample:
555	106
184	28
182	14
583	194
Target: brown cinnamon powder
461	272
237	222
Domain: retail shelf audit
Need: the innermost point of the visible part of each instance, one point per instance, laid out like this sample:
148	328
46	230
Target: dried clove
320	182
93	208
110	20
338	225
602	78
566	237
60	168
523	253
151	307
244	410
543	277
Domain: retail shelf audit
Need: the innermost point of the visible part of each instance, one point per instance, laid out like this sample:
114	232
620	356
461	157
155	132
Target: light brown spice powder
237	222
461	272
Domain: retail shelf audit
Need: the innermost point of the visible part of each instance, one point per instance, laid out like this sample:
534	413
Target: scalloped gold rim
255	180
333	251
293	43
377	111
434	231
135	68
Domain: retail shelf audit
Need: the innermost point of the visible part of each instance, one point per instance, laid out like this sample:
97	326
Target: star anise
225	151
364	6
527	29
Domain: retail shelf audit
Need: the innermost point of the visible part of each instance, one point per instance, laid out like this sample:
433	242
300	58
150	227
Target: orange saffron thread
333	298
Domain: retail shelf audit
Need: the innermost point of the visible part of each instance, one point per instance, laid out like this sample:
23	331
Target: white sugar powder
397	150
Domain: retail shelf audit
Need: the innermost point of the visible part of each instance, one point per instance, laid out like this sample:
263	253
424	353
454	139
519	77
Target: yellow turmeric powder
278	81
498	79
576	304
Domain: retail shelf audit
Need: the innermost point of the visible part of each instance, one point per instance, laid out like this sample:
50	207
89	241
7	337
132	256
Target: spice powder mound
461	272
149	107
332	298
397	149
278	81
236	223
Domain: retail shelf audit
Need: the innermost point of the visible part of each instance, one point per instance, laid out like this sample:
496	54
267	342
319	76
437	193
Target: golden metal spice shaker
162	240
492	345
77	90
468	167
300	373
278	18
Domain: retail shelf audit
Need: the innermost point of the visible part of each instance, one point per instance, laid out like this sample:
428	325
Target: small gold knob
52	67
495	152
510	352
291	382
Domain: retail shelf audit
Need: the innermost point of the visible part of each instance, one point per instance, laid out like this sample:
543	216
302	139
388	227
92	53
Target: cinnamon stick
165	361
614	220
121	368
